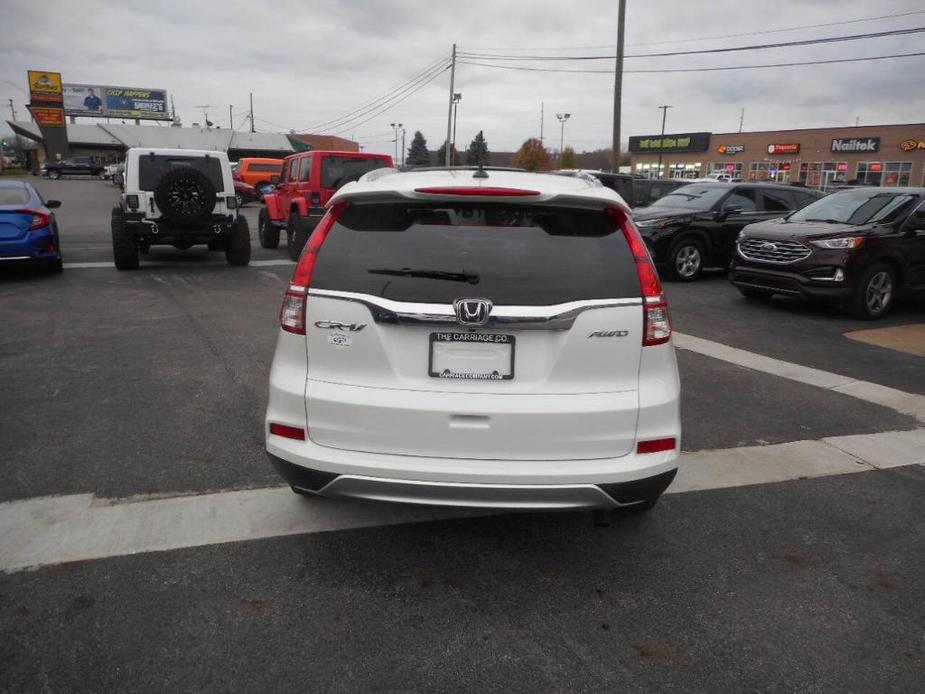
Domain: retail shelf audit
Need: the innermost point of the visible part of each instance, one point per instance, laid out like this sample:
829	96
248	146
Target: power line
695	69
712	38
755	47
379	98
392	105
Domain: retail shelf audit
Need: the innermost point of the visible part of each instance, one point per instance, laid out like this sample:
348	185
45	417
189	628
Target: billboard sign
101	101
48	116
44	87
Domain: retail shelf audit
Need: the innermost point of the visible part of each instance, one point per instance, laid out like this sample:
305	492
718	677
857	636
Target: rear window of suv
336	171
271	168
510	254
150	169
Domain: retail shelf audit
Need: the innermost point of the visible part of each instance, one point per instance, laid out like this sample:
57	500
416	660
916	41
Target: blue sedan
28	230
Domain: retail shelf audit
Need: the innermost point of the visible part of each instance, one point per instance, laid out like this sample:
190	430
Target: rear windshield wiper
469	277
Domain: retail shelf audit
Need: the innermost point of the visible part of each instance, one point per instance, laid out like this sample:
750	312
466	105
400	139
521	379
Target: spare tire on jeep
185	195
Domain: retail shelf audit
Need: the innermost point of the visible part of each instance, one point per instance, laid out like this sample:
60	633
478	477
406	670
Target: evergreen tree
477	152
441	156
532	156
418	154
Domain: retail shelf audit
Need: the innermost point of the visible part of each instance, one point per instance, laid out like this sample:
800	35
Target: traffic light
5	142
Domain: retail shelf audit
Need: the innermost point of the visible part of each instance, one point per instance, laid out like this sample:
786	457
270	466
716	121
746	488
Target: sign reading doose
730	149
789	148
856	144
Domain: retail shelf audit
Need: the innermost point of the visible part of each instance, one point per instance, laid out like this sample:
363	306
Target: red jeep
306	183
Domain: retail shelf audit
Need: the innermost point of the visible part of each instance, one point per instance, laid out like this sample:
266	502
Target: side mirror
731	209
274	180
52	204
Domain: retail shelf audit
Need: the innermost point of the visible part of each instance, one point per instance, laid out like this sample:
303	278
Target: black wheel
239	200
238	247
185	196
755	294
266	232
685	260
124	246
54	174
875	293
54	266
298	230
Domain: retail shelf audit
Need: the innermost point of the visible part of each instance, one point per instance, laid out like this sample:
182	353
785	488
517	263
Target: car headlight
655	223
845	242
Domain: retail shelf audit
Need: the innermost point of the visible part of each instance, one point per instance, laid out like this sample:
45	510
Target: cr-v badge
337	325
472	311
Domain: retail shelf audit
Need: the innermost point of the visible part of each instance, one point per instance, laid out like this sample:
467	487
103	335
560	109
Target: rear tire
124	246
54	266
266	232
685	260
875	293
238	247
754	294
297	231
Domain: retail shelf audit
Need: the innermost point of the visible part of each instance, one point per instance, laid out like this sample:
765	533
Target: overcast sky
308	61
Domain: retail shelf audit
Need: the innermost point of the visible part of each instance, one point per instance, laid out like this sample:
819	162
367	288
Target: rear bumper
37	245
474	495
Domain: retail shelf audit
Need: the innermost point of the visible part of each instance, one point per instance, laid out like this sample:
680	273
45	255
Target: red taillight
656	321
40	220
656	446
480	191
288	432
292	312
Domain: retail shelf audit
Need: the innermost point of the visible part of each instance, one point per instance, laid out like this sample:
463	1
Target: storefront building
884	155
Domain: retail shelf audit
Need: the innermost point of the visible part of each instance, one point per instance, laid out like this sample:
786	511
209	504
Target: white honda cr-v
476	338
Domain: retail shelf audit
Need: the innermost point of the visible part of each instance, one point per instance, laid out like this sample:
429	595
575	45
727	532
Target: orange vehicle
257	171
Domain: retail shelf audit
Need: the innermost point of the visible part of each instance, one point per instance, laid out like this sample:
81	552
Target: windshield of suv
511	254
336	171
856	207
693	197
150	169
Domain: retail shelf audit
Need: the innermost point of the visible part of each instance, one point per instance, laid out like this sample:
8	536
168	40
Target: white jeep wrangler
178	197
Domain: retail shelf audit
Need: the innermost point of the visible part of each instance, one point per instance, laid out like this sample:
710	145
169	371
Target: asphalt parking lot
791	556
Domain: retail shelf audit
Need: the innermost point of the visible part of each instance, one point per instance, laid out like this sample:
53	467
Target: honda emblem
472	311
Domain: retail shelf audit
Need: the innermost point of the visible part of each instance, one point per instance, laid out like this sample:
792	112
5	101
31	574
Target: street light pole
395	128
562	118
618	86
457	97
661	140
403	150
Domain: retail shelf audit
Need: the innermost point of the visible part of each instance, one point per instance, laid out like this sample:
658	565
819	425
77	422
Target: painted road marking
207	263
906	403
902	338
53	530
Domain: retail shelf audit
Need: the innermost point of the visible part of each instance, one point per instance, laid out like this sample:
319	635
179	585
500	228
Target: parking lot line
101	264
906	403
58	529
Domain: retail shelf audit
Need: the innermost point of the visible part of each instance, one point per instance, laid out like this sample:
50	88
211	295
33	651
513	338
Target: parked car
257	171
244	193
861	248
75	166
111	170
695	226
178	197
488	339
28	228
307	182
637	191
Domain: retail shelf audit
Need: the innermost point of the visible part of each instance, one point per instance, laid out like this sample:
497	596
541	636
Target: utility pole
562	118
660	142
230	117
12	110
395	128
403	150
252	112
741	119
457	97
542	119
618	86
449	113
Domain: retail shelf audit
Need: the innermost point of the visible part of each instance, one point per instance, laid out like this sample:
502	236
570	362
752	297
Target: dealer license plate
472	356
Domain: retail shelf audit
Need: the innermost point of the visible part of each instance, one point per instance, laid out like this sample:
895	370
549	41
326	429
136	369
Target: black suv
858	247
696	226
75	166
